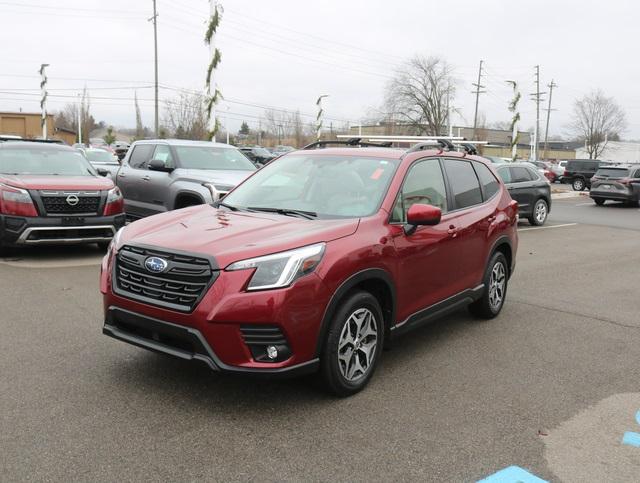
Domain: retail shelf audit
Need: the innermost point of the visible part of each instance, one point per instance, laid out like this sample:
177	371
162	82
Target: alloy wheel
357	345
541	212
497	284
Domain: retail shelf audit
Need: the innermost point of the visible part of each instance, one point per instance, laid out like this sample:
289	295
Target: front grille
63	204
180	286
70	234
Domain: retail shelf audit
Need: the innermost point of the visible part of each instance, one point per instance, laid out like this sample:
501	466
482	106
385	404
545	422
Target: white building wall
615	151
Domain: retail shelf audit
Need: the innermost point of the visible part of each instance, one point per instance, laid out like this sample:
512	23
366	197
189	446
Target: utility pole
43	100
154	19
477	92
79	119
537	98
546	131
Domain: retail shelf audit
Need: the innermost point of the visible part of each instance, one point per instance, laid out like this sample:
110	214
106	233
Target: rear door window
464	183
141	155
488	181
520	174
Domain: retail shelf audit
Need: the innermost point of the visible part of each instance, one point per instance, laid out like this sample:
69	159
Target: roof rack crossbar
349	142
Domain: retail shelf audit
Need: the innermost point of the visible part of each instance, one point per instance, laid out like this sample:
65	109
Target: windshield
100	156
613	172
41	161
208	157
329	186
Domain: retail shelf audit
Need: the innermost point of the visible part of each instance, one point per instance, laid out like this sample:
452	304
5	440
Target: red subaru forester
316	262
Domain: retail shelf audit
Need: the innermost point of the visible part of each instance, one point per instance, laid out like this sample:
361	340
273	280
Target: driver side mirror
102	172
420	214
158	165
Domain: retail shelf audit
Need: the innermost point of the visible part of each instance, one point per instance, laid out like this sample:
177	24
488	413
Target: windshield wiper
232	208
309	215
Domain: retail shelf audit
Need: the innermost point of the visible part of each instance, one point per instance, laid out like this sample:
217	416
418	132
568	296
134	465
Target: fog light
272	352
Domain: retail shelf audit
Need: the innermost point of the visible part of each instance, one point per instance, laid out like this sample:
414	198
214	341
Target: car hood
75	183
217	177
232	236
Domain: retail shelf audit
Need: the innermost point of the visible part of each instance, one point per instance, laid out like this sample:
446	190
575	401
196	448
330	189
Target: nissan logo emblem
73	200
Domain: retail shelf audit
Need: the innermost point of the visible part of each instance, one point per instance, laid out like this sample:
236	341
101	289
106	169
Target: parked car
315	262
50	194
529	189
558	169
102	159
97	143
617	183
162	175
579	172
545	169
120	149
496	159
282	149
260	156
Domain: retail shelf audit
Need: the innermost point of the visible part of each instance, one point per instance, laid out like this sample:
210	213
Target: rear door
130	179
521	186
467	222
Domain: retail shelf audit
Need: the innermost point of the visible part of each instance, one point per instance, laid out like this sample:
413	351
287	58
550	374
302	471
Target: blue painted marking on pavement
638	417
632	439
512	474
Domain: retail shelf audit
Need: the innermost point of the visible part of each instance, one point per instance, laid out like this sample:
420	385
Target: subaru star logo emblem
72	200
155	264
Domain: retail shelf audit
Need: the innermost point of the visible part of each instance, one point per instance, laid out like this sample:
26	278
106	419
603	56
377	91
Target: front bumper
182	342
21	231
216	331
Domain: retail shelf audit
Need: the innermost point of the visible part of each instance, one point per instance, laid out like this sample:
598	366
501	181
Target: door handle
452	231
146	178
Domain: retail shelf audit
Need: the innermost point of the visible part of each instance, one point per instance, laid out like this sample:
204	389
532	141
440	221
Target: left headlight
281	269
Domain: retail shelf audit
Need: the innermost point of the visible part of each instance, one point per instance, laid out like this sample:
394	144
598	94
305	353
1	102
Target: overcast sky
284	53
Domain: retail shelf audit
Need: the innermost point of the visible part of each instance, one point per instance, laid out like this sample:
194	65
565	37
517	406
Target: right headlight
281	269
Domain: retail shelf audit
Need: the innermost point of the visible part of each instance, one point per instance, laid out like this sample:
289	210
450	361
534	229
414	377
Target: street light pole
155	48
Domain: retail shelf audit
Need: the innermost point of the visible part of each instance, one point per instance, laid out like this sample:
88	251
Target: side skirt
438	310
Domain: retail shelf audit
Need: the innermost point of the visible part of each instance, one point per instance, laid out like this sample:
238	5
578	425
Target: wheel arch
503	244
184	195
376	281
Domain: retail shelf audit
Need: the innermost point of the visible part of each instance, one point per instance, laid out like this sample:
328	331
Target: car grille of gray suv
179	286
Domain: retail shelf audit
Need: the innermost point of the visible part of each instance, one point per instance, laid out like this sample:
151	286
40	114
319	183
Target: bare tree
185	117
418	94
67	117
596	120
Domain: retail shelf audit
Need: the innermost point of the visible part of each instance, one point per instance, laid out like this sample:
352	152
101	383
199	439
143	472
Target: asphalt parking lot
551	385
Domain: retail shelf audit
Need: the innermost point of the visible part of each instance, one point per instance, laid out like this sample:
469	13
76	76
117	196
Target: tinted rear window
613	172
488	181
582	165
464	183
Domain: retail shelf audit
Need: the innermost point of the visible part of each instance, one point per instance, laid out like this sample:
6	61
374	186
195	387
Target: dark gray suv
529	188
166	174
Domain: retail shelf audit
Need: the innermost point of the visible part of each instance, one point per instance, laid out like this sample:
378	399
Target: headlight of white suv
281	269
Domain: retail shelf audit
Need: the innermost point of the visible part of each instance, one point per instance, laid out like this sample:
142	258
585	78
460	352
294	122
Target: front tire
540	213
599	201
495	281
353	344
578	184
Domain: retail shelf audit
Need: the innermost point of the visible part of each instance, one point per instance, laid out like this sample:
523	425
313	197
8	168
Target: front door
130	179
426	267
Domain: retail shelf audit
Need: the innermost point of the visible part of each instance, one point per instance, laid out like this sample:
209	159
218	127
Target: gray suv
165	174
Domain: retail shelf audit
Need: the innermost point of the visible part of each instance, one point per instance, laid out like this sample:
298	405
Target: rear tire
496	278
599	201
578	184
540	213
353	344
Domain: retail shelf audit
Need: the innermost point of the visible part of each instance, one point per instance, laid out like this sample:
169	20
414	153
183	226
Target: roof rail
469	149
14	139
349	142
